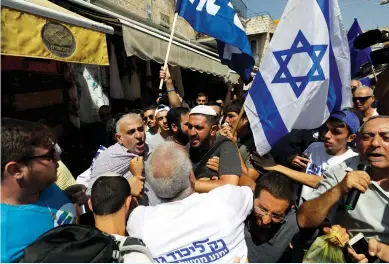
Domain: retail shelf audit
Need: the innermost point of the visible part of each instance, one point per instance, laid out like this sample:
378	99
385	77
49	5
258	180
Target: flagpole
237	121
375	76
168	47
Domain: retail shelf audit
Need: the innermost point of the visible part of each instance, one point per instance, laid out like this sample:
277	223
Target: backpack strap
208	155
133	244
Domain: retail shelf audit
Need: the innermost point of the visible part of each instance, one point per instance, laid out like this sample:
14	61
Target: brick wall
160	12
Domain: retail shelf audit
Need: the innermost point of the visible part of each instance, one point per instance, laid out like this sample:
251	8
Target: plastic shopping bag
322	251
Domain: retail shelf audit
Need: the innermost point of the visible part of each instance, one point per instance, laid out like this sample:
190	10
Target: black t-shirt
229	161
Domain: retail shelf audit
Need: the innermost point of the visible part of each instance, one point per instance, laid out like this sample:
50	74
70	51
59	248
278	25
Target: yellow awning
41	29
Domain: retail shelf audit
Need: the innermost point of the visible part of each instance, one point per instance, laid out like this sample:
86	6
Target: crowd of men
190	185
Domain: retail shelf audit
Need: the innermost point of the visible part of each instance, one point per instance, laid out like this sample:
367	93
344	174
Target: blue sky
368	12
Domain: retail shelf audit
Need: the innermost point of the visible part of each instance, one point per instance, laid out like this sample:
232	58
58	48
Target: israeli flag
219	20
304	76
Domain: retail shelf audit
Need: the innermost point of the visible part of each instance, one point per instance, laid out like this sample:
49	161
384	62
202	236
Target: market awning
148	45
41	29
149	41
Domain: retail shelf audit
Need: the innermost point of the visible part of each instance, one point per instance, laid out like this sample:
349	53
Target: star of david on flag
283	57
304	75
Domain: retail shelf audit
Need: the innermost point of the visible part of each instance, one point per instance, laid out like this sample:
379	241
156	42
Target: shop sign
58	39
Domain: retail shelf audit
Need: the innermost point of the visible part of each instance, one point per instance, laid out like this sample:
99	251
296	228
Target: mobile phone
361	246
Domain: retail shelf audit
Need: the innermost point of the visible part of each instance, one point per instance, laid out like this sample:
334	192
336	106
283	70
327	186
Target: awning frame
154	32
42	11
141	25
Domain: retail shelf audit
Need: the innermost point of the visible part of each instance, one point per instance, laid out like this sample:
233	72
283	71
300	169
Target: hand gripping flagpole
168	47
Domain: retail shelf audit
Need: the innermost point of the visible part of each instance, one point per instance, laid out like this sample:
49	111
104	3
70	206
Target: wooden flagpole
168	47
237	121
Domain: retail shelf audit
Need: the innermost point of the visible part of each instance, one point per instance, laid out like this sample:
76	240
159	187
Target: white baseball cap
161	108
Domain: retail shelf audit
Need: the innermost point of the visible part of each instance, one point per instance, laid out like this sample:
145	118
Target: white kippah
161	108
203	110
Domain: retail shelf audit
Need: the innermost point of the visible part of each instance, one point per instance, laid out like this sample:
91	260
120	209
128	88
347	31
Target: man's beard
261	233
181	137
205	143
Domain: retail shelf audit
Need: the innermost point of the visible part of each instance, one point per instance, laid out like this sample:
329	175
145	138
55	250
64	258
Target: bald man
363	99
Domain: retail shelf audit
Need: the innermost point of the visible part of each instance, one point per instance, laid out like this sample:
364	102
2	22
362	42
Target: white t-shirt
203	227
153	140
321	161
132	257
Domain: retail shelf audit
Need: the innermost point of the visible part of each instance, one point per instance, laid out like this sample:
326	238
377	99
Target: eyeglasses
51	156
361	99
261	212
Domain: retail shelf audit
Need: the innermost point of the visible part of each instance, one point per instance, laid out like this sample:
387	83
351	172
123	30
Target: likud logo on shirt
314	169
65	215
204	251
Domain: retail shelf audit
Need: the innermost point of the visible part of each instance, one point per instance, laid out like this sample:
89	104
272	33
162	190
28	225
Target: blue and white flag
219	20
304	76
357	57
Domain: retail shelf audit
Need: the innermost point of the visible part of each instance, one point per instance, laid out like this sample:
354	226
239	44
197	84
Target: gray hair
360	130
167	171
363	87
124	117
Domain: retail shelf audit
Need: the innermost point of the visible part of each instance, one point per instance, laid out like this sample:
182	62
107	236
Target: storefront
148	43
40	43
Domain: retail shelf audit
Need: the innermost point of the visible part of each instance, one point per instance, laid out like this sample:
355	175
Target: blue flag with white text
219	20
357	57
304	75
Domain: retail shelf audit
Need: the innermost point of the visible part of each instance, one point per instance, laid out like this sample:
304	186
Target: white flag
305	74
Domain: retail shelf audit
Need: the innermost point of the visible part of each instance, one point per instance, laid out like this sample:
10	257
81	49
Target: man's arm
230	89
171	93
301	177
203	186
270	165
312	213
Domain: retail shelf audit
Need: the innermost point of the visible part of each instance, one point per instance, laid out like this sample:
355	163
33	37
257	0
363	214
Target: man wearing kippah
203	145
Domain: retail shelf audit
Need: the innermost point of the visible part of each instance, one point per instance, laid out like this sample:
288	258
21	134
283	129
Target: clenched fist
136	184
136	166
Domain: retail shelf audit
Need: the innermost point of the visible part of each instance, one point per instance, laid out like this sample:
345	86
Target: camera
373	37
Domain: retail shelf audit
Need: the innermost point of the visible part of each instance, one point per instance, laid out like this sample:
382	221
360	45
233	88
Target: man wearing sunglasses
363	100
153	138
31	202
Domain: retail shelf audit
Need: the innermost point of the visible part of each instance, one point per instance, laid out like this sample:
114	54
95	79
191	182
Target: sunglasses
361	99
149	117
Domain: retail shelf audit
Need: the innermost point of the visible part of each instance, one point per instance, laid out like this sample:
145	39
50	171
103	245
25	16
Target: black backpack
79	244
